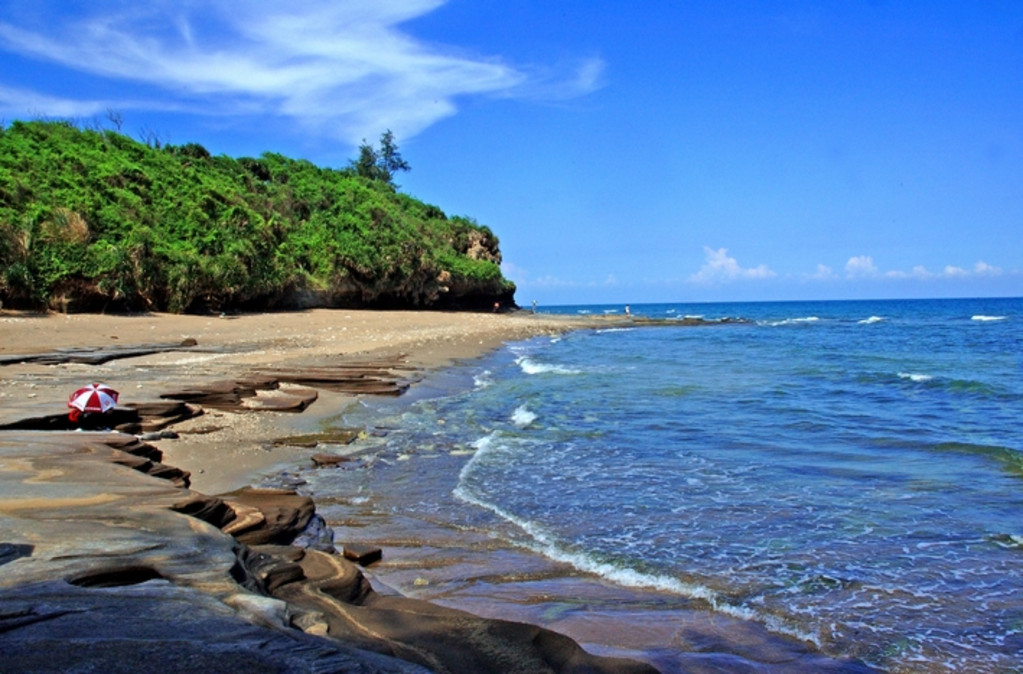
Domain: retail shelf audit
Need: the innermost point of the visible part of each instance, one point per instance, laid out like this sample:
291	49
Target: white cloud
823	273
951	271
34	103
861	266
344	69
720	267
984	269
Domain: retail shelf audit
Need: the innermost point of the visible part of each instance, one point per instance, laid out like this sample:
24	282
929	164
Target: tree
382	164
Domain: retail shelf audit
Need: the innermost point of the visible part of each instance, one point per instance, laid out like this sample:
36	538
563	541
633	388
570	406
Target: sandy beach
73	521
234	454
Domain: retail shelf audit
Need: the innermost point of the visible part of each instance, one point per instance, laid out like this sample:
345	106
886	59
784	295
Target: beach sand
226	450
62	492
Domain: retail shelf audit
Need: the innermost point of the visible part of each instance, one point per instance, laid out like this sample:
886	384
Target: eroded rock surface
107	567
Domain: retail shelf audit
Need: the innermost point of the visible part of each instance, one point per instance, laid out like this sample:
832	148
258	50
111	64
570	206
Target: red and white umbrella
93	398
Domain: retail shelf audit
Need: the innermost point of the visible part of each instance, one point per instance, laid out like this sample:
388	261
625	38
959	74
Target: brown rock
209	509
294	400
322	460
284	512
333	591
362	554
340	436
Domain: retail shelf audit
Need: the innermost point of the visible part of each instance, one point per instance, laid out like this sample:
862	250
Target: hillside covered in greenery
91	220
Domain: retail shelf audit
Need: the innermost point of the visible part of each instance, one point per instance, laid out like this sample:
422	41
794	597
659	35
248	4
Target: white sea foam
872	319
912	376
545	543
983	318
794	321
530	366
483	379
522	417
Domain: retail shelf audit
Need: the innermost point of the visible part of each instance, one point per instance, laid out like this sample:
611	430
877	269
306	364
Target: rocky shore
145	547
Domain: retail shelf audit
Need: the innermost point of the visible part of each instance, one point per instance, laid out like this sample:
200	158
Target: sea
784	481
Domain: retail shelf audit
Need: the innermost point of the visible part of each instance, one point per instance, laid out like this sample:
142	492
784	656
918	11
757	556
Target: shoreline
228	345
227	450
456	556
232	451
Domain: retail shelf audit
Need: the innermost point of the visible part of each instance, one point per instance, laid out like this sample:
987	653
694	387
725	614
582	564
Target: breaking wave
793	321
522	416
530	366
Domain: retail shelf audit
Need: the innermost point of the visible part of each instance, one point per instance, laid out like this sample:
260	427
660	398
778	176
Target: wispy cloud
342	69
863	267
823	273
721	267
25	101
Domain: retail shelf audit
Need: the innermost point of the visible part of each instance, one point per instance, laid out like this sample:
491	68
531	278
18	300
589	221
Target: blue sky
622	151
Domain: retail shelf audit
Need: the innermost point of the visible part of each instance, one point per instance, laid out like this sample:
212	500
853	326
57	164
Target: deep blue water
850	473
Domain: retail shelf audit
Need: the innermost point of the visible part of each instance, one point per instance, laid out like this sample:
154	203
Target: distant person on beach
534	306
627	310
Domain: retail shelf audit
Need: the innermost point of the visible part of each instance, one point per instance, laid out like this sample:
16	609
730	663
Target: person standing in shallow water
627	313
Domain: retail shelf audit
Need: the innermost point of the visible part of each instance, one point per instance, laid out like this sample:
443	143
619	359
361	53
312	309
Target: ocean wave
530	366
871	320
792	321
982	318
483	379
971	387
543	542
522	416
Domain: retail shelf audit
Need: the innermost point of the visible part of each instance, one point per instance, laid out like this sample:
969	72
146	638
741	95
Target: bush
174	228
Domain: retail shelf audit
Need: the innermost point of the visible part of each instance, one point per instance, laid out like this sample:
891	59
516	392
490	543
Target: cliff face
92	220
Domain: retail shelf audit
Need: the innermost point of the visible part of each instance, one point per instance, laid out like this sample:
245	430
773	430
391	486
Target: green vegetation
93	220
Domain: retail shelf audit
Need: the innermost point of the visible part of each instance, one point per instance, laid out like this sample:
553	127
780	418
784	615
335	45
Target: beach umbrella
93	398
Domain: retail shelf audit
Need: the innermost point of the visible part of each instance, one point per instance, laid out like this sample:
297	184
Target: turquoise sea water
846	473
